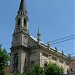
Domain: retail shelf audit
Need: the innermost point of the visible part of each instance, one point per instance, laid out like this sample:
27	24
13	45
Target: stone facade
26	51
72	65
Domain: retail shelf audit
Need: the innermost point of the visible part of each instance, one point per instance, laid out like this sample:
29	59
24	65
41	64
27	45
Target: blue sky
55	18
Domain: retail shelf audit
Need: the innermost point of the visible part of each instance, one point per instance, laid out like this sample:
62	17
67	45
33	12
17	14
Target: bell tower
20	36
19	56
22	18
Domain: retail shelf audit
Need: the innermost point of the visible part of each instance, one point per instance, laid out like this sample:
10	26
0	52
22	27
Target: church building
27	51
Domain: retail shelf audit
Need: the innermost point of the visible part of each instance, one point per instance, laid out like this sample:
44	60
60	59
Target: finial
56	50
38	36
48	44
38	31
62	52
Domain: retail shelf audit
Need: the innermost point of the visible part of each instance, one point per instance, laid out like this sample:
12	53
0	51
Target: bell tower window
25	22
19	21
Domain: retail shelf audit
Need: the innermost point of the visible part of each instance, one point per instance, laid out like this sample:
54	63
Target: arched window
18	21
71	70
15	61
25	22
45	65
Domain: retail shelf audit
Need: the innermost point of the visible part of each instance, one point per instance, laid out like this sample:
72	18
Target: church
27	51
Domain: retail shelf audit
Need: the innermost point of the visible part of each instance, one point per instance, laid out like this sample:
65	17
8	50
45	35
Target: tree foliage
36	70
51	69
4	58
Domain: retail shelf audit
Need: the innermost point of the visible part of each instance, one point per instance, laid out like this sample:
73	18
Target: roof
46	46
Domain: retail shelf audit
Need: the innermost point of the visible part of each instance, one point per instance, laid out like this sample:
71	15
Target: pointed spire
38	36
22	8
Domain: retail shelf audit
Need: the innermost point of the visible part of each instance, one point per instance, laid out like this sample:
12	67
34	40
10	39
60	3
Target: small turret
56	50
48	45
38	36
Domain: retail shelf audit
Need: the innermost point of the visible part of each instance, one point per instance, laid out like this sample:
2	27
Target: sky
55	18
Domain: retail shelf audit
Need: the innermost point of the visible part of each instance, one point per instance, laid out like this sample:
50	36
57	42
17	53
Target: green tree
53	69
4	58
36	70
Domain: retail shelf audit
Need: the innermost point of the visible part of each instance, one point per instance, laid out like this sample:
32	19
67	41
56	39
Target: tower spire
22	8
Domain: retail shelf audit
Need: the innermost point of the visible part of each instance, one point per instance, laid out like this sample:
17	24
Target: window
67	63
18	21
25	22
44	54
15	61
25	40
61	61
32	63
54	58
45	64
25	64
71	70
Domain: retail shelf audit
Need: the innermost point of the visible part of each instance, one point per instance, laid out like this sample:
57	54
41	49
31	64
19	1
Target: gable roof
46	46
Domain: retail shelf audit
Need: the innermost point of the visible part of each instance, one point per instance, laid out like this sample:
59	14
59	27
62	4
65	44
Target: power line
63	38
60	40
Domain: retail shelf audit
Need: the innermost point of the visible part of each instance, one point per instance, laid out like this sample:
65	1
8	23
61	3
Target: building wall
72	66
7	70
38	56
34	57
46	57
19	59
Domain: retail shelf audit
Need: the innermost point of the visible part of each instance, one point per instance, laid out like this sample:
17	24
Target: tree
4	58
36	70
53	69
50	69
